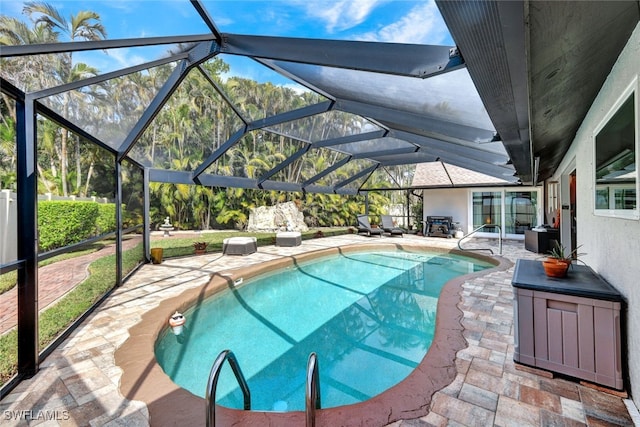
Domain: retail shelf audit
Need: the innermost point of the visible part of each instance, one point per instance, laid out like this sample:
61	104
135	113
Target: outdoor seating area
239	245
364	226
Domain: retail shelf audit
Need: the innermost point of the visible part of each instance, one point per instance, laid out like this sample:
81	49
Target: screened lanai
212	108
249	110
373	106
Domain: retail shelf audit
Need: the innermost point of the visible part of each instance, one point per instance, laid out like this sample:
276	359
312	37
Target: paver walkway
78	383
54	281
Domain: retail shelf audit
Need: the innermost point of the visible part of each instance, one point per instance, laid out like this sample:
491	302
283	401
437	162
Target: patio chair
388	227
365	227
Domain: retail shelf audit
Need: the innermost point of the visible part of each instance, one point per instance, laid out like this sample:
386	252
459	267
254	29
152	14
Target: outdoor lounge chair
365	227
388	227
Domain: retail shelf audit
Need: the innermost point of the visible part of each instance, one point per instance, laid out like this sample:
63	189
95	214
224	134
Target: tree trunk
63	161
42	178
86	184
78	167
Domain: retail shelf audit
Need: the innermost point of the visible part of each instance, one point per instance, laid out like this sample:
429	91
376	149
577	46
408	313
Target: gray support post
408	209
118	201
146	220
27	181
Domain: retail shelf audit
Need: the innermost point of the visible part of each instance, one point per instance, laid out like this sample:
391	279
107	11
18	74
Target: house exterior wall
456	202
451	202
612	245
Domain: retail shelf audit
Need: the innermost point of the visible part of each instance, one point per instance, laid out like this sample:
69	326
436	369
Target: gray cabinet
569	325
540	242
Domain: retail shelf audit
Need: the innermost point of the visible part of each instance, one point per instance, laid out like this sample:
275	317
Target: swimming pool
368	315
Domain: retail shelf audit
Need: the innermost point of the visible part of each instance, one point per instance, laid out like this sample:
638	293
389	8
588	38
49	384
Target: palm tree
83	26
30	72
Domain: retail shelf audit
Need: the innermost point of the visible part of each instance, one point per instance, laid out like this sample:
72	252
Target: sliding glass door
513	211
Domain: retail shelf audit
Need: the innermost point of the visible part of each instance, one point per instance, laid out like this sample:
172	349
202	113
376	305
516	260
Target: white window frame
503	191
632	89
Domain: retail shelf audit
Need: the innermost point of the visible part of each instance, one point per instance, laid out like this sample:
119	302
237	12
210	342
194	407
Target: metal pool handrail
312	397
483	249
213	384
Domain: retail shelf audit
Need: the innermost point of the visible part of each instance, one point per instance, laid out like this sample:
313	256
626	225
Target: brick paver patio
78	382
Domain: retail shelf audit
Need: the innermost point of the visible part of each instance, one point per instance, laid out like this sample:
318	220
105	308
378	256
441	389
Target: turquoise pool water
369	316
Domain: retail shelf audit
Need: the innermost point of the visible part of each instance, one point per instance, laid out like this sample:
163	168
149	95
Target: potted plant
557	263
200	247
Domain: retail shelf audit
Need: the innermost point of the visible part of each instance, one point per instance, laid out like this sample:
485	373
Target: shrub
106	220
62	223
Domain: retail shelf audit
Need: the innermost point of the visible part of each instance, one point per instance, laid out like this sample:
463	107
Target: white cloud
298	89
116	59
422	25
343	14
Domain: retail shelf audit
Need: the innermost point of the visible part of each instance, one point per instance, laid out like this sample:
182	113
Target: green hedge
106	221
62	223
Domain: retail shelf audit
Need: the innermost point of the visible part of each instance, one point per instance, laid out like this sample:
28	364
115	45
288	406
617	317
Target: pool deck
78	384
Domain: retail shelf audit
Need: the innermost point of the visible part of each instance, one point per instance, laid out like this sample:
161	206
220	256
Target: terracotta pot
555	268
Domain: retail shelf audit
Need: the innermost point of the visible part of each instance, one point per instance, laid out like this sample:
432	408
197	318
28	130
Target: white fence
8	227
9	220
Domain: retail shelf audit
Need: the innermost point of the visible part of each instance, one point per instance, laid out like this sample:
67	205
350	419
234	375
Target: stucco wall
612	244
448	202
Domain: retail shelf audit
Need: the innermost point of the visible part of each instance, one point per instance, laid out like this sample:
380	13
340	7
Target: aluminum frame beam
396	119
198	54
47	48
402	159
367	171
501	78
331	190
472	152
327	171
351	138
282	186
300	113
204	14
373	155
27	224
220	152
222	94
63	122
389	58
108	76
171	177
295	156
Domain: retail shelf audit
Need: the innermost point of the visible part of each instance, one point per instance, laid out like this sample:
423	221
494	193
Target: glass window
521	209
616	172
487	209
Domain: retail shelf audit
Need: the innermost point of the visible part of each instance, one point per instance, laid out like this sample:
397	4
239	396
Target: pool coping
168	404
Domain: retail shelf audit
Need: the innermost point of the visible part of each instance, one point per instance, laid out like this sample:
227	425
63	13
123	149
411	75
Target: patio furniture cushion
288	238
239	245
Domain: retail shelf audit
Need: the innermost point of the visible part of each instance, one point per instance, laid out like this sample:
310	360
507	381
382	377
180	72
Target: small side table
239	245
288	238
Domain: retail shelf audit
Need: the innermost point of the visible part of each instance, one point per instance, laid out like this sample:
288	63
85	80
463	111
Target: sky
405	21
